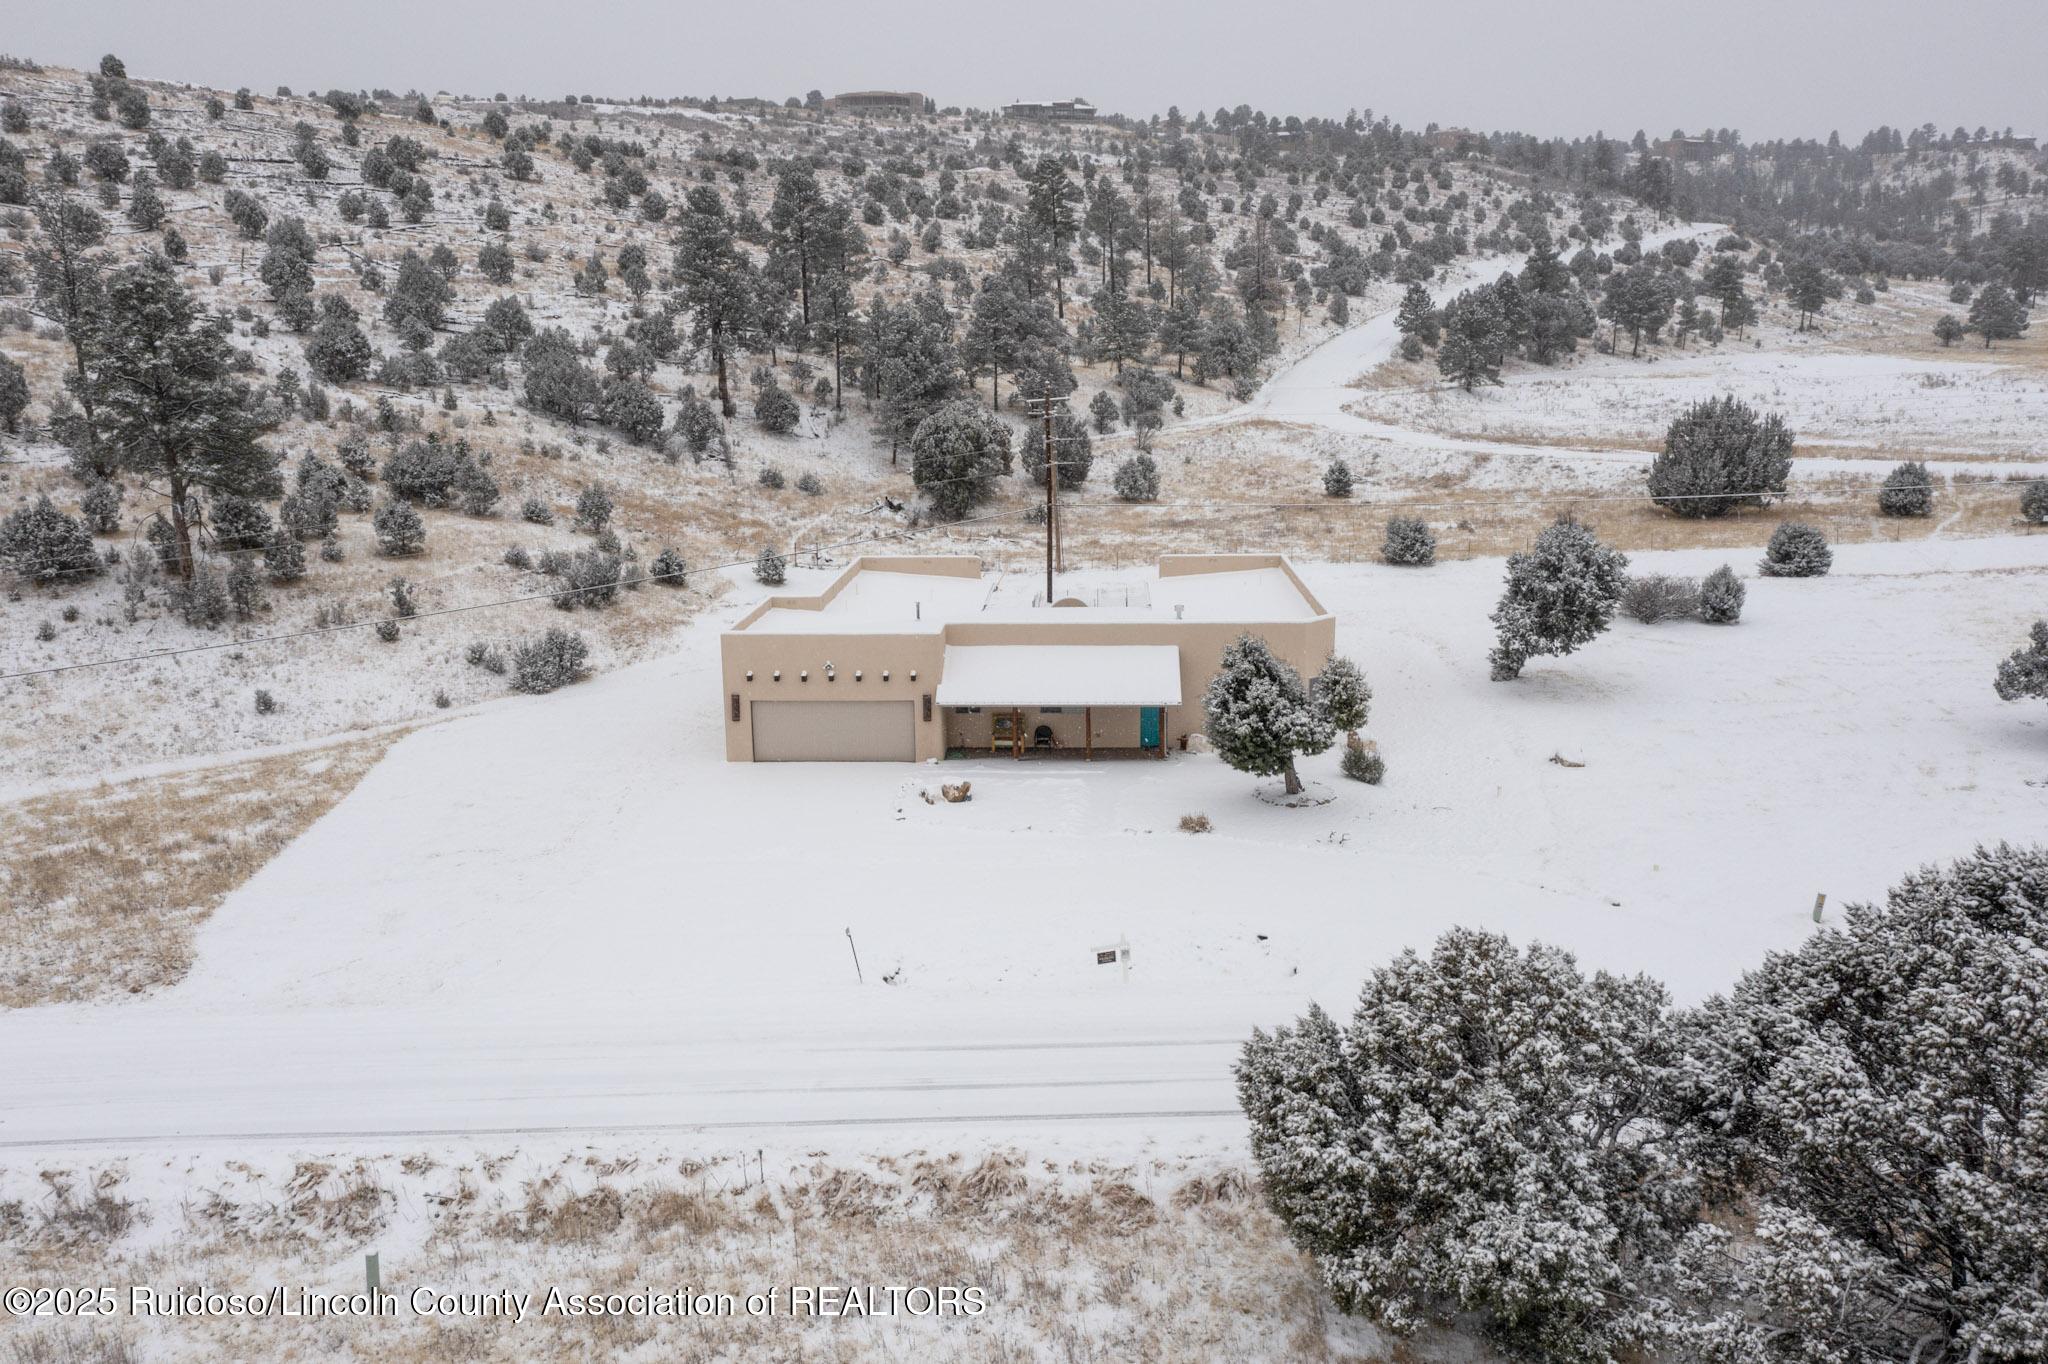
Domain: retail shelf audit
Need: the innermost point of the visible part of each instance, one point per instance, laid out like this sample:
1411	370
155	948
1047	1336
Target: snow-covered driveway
568	913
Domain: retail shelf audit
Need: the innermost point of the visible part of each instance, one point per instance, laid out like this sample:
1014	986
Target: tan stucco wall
1303	644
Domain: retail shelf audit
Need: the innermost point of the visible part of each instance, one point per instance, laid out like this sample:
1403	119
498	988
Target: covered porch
1059	700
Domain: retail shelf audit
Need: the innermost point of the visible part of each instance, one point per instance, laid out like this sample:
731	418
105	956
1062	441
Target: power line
684	574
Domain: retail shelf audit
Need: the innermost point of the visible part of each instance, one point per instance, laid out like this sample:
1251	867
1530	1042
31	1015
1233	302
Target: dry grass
102	890
1165	1260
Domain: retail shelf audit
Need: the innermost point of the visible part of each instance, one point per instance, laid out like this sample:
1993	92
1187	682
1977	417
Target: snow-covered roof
887	602
1060	675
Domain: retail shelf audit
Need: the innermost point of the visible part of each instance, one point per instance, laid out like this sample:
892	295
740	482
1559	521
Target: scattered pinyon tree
1261	717
1560	595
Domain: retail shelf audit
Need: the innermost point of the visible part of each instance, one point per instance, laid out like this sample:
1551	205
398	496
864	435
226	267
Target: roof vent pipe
1179	612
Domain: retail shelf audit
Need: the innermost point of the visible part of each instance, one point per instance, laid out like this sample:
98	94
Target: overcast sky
1768	67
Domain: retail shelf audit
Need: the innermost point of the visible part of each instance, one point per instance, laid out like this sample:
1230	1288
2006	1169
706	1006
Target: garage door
834	731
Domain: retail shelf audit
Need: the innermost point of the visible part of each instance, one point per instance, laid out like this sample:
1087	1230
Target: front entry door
1150	720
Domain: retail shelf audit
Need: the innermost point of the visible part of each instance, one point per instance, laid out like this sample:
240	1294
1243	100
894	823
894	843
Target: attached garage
835	731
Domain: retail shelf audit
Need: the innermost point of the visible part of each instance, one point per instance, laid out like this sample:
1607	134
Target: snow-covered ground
568	913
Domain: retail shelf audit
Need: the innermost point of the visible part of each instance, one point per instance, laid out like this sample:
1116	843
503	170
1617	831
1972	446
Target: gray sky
1768	67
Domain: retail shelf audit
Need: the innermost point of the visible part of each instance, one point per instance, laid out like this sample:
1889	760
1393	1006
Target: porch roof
1060	675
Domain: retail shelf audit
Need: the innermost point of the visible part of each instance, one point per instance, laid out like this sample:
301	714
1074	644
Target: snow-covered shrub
1363	764
1343	693
771	478
2025	672
1337	479
2034	502
44	545
201	600
284	556
399	529
482	654
593	509
537	510
1468	1144
1196	824
775	409
387	630
1719	455
1721	597
669	568
1104	410
101	507
809	484
1260	715
1796	550
547	661
238	523
1409	541
245	587
265	702
1137	479
592	578
1560	594
1874	1100
770	568
1908	490
1657	596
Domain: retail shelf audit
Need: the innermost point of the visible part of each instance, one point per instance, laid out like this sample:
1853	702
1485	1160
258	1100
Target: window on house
967	710
1052	710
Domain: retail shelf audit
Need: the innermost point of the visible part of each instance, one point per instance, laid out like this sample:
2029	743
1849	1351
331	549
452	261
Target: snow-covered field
568	913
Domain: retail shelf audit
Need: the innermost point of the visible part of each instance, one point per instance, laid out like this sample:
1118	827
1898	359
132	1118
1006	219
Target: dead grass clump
70	1221
587	1217
1195	824
351	1204
1225	1186
1121	1209
852	1194
663	1208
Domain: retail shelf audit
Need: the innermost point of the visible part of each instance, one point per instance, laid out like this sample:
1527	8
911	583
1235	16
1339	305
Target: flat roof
1060	675
888	602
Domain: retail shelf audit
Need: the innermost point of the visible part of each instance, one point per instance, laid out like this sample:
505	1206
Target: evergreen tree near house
170	408
1908	490
956	455
1796	550
2025	673
1137	479
1871	1101
1560	595
1261	716
2034	502
1345	696
1409	540
1337	480
1720	455
1436	1163
770	568
1074	451
1721	597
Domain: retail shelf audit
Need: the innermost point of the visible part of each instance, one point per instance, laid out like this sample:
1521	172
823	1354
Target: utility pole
1045	406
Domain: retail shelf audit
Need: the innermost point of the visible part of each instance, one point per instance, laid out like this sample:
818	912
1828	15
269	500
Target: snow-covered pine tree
1719	455
1409	541
1436	1159
1561	594
1417	316
2034	502
399	529
1343	693
1137	479
1721	597
284	556
1873	1099
1260	714
770	568
2025	673
1796	550
1908	490
43	545
1337	479
1474	342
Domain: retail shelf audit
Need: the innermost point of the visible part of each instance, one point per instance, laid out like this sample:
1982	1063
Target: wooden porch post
1088	730
1017	733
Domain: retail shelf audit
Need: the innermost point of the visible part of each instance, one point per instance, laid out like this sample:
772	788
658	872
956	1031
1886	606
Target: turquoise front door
1150	720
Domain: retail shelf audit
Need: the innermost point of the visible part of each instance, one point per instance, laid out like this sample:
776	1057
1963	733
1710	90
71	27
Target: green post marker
370	1276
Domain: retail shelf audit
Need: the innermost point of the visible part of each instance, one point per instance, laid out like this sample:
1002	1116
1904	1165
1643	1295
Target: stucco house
909	658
